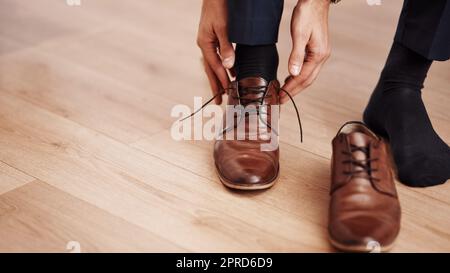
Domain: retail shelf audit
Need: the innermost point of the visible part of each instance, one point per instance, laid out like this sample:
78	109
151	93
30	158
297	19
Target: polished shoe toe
245	172
363	233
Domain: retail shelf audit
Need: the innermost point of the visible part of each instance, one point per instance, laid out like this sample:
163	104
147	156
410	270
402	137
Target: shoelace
256	90
364	164
246	101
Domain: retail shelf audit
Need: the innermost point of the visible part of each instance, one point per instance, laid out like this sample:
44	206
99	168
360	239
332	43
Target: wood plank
32	24
86	94
304	185
11	178
40	218
146	191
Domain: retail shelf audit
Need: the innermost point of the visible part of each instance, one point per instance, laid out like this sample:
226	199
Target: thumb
226	49
297	56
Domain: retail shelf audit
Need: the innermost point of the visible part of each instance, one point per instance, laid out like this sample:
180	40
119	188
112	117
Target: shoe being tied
241	163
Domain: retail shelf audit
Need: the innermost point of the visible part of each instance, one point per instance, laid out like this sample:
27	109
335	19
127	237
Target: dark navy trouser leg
254	22
424	27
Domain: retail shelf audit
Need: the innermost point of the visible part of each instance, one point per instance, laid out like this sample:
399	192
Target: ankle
256	61
405	67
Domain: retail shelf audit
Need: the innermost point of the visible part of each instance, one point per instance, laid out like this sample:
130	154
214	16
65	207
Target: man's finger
296	84
212	58
300	34
311	67
297	57
213	82
289	86
226	48
313	76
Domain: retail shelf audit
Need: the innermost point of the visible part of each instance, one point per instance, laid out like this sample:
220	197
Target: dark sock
396	111
256	61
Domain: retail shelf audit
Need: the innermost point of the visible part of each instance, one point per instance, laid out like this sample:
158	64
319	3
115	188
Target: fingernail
228	62
295	70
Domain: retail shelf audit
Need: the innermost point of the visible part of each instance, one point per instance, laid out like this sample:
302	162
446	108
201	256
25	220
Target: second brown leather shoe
364	209
241	164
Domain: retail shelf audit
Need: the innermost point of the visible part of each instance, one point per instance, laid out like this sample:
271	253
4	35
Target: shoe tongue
360	140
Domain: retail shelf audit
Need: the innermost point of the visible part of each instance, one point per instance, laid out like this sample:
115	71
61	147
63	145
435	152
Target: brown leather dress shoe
364	208
241	163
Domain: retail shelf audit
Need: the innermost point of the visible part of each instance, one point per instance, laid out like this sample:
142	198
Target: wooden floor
85	149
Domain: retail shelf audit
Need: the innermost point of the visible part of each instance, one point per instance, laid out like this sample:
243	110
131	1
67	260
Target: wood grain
86	154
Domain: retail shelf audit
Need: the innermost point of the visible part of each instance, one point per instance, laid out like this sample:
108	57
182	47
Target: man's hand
309	30
218	53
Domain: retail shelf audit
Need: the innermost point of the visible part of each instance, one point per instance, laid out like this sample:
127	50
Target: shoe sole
250	187
359	248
